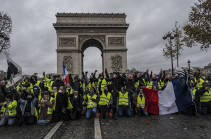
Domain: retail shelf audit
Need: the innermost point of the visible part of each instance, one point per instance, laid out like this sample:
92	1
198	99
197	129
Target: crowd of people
50	99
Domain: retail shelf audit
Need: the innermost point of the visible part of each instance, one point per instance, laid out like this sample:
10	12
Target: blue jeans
141	111
91	111
124	109
42	122
7	120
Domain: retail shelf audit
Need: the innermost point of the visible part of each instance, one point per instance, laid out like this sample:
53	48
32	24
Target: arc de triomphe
78	31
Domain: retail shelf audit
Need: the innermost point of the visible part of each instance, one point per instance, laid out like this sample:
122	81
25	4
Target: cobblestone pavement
78	129
25	131
159	127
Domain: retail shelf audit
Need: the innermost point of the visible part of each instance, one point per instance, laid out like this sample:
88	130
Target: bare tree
178	42
5	31
174	44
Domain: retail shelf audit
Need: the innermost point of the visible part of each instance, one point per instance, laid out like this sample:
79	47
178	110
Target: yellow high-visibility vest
104	100
123	99
90	103
141	101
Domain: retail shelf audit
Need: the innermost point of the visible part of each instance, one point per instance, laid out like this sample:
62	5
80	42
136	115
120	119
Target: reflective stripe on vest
90	103
123	99
141	101
103	83
199	85
11	108
104	100
149	85
206	97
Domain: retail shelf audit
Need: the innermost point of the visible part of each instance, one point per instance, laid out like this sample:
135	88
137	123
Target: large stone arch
91	43
78	31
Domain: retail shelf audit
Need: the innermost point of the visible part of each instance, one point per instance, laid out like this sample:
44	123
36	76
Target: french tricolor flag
66	74
174	98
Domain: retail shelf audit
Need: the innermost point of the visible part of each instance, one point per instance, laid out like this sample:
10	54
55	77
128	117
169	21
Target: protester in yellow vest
200	81
103	82
69	89
8	110
49	82
139	102
123	106
26	84
203	99
33	82
46	109
104	102
91	105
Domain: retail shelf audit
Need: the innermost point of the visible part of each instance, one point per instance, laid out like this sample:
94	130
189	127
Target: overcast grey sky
33	37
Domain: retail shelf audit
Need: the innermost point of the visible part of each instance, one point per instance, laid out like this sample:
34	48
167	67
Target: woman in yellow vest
139	102
8	110
46	109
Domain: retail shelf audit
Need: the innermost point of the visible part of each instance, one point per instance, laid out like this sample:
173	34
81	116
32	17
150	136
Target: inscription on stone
116	41
67	42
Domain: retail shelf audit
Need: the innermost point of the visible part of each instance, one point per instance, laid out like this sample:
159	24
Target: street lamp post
188	66
170	36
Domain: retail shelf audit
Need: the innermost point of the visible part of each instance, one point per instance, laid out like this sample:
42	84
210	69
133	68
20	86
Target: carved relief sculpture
67	60
116	63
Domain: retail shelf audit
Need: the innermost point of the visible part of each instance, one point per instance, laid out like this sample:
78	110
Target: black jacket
61	101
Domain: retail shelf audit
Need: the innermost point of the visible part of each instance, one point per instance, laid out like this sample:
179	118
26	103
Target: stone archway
78	31
91	43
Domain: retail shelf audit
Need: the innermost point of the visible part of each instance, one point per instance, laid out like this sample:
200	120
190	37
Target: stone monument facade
78	31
